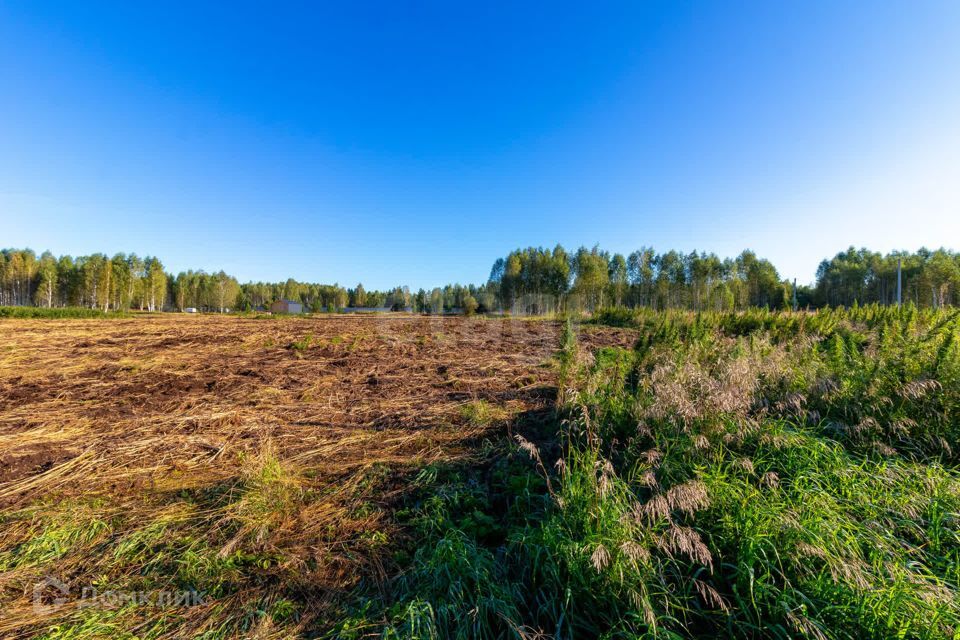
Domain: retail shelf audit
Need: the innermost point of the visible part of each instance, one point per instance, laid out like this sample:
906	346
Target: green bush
58	312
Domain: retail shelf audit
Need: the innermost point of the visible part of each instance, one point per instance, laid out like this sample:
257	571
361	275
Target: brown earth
140	412
179	391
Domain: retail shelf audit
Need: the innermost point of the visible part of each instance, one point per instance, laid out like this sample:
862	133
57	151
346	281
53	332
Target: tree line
928	278
534	280
95	281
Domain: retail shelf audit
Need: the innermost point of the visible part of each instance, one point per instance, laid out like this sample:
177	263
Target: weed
269	493
302	345
480	413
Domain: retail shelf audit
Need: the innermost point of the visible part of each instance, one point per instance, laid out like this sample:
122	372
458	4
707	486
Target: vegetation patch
480	413
59	313
709	482
755	474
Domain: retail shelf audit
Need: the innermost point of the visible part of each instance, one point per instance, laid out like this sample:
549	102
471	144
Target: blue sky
414	143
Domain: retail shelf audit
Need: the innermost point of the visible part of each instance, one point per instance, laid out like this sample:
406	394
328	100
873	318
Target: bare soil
140	398
130	420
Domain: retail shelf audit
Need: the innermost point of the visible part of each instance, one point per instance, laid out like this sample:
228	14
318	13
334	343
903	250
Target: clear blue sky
414	143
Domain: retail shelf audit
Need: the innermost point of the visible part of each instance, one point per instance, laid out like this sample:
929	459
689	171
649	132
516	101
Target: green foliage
819	442
615	316
470	305
452	576
270	492
56	532
567	356
481	413
759	474
537	281
527	281
99	622
57	313
859	276
96	281
302	345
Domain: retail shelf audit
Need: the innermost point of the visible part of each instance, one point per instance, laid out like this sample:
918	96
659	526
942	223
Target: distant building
190	310
286	306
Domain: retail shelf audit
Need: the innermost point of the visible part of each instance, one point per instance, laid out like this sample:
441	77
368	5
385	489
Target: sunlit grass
745	475
759	474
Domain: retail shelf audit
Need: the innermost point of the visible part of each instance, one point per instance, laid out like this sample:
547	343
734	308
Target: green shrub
59	312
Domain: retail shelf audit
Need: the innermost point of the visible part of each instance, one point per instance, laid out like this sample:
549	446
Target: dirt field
152	416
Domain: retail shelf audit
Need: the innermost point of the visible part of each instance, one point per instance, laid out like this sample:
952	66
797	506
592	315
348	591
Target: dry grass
240	457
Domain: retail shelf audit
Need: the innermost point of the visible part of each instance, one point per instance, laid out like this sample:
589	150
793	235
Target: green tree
155	284
470	305
358	297
226	290
47	285
641	269
618	277
591	276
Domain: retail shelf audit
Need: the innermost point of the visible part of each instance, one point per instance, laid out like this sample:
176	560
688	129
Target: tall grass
757	474
817	455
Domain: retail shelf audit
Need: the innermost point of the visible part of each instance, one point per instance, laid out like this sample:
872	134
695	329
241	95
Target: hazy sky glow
413	143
